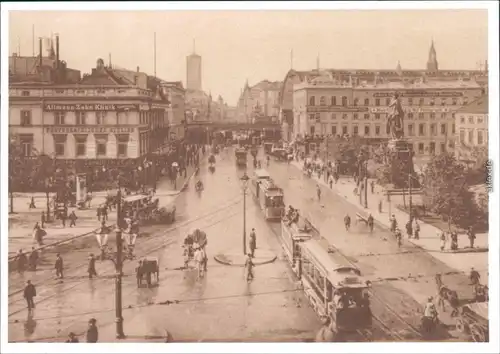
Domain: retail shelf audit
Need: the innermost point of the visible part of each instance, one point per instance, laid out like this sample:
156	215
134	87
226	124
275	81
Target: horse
148	267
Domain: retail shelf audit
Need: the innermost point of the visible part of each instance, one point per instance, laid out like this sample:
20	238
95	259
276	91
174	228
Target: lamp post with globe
244	185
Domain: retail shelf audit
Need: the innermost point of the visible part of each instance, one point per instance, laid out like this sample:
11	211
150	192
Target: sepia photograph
239	172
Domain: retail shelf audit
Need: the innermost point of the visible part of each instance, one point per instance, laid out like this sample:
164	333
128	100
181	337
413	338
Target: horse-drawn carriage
164	215
147	268
473	321
147	211
195	239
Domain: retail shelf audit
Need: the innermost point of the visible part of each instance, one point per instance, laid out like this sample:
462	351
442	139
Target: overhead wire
156	247
175	227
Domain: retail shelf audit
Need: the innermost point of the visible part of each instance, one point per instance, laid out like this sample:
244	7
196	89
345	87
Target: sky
236	46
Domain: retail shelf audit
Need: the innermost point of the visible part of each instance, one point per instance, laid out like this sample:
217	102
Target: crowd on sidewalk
327	173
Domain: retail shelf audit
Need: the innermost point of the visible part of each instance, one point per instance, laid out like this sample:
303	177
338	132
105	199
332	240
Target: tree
21	175
478	171
445	191
346	150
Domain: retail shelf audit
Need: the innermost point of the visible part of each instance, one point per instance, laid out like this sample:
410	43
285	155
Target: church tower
432	64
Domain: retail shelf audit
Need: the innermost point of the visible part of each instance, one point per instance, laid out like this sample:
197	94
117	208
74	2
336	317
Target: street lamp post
141	175
366	184
117	260
119	266
244	183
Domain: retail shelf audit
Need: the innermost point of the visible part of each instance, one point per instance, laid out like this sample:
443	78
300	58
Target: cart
473	321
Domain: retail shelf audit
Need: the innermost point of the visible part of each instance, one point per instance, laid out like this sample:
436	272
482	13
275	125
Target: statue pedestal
400	159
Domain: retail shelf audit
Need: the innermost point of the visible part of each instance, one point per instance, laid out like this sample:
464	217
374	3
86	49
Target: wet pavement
403	277
219	306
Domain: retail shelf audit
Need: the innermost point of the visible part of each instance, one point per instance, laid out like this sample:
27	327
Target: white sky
237	45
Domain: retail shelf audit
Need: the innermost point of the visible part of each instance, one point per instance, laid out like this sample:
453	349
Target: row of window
60	118
409	130
479	120
377	116
101	145
343	101
154	118
421	148
27	93
480	137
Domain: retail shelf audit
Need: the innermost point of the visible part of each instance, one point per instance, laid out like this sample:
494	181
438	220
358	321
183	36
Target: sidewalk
21	227
428	233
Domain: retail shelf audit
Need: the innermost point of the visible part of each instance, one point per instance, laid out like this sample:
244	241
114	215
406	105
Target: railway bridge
233	126
204	131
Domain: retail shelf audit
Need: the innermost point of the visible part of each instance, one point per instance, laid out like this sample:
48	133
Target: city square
331	205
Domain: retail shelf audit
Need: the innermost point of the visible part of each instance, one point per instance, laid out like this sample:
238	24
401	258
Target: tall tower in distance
432	64
193	71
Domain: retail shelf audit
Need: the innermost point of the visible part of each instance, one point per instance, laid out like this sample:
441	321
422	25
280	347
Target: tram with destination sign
241	157
334	288
259	175
270	198
294	230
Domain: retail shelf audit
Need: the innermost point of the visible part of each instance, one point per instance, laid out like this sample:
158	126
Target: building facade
472	129
358	77
105	120
197	106
176	95
193	72
328	107
260	101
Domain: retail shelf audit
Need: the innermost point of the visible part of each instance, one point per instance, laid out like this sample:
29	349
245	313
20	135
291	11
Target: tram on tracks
241	157
334	289
270	198
294	230
259	176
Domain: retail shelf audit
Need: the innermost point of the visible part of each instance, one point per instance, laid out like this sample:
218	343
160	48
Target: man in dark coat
91	269
92	332
29	294
33	258
59	266
253	242
22	260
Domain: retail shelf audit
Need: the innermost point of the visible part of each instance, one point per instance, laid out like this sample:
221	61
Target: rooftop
479	106
322	81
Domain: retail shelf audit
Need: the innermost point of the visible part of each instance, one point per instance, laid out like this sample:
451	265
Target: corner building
324	106
472	129
110	118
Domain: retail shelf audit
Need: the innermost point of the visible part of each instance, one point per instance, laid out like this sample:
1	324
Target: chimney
40	44
137	69
57	51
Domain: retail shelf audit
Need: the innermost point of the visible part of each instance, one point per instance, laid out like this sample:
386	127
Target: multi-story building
259	101
193	72
110	118
326	106
471	128
176	95
197	106
356	77
230	115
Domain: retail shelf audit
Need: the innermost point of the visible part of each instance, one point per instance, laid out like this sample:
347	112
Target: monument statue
395	117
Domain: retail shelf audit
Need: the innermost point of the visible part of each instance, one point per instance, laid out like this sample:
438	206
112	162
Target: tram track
134	289
226	205
383	324
141	251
